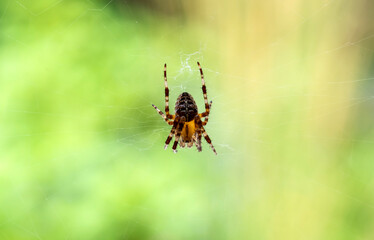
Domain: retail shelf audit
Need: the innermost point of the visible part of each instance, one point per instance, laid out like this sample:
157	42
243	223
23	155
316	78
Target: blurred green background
81	148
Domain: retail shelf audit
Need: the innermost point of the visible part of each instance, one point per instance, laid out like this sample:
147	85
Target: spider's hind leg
179	131
182	143
197	140
200	130
172	132
207	138
190	144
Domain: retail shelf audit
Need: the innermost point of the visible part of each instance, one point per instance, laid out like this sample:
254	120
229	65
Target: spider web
82	148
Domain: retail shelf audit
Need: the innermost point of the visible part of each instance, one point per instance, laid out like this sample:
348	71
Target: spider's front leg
168	115
207	105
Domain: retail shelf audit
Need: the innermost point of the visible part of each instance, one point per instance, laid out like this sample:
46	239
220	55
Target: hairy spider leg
168	115
172	132
198	133
163	115
207	138
179	130
206	113
207	116
205	134
197	139
190	144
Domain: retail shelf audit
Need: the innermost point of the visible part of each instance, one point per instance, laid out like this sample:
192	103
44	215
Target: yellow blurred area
81	148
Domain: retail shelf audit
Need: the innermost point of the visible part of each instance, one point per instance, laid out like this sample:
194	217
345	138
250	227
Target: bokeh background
81	148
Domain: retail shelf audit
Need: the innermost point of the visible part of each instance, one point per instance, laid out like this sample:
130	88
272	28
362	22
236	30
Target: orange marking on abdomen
188	131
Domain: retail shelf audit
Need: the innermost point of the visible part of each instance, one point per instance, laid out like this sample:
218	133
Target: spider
187	124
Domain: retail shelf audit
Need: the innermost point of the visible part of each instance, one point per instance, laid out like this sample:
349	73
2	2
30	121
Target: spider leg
179	130
207	116
197	136
167	96
182	143
206	113
197	140
190	144
172	132
207	138
163	115
201	129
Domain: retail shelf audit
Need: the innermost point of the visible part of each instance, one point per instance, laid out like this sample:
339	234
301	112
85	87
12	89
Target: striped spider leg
201	130
167	117
172	132
178	132
207	105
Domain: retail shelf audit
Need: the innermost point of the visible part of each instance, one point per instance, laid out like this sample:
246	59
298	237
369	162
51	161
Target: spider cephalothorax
187	124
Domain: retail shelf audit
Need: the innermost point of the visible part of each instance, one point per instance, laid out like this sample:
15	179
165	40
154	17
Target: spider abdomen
186	107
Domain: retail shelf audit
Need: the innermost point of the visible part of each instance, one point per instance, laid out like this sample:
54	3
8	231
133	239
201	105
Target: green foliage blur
81	148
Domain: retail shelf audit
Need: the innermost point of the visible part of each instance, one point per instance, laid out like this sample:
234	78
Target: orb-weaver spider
187	124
